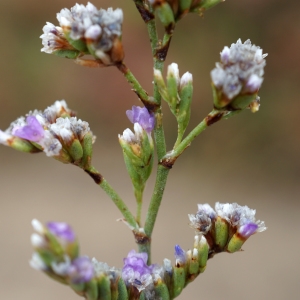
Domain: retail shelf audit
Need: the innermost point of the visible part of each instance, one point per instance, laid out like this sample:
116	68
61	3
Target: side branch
149	102
100	180
145	13
214	116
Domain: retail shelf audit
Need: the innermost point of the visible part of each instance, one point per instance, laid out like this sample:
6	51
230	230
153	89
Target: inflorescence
56	131
224	229
239	73
86	30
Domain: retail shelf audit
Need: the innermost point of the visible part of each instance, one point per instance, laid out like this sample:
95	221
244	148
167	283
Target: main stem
162	172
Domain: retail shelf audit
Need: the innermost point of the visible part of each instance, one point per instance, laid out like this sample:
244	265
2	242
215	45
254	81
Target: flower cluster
56	131
86	30
177	92
240	71
137	273
227	227
138	147
57	253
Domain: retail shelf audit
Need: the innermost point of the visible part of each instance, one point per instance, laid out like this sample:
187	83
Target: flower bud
178	94
193	256
201	245
178	280
165	14
161	290
104	287
138	147
173	81
180	256
161	86
184	107
221	232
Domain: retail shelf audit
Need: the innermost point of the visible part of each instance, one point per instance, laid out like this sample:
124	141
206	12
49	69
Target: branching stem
101	181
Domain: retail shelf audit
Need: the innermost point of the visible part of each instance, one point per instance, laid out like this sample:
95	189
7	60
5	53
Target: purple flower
33	131
180	255
136	262
81	270
241	217
137	272
142	116
62	231
248	229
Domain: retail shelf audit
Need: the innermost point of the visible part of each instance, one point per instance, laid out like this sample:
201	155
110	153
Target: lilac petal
142	116
180	255
81	270
137	262
248	229
33	131
129	114
62	231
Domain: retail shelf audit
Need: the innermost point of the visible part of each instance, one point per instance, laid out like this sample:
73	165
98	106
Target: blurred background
252	159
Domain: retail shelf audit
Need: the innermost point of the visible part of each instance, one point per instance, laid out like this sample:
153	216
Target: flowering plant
93	38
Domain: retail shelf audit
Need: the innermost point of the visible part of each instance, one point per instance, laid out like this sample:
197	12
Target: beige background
252	159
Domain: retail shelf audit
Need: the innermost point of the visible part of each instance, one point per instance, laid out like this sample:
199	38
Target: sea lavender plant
92	37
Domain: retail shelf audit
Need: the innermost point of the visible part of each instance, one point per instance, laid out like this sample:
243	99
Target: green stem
100	180
213	117
137	88
161	179
139	202
179	138
162	172
159	53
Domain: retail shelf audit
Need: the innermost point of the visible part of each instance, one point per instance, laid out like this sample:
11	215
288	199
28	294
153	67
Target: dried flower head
53	131
240	217
137	273
86	30
240	71
53	39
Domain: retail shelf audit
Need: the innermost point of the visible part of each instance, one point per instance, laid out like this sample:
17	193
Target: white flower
61	268
37	263
133	138
51	145
56	110
53	39
240	70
